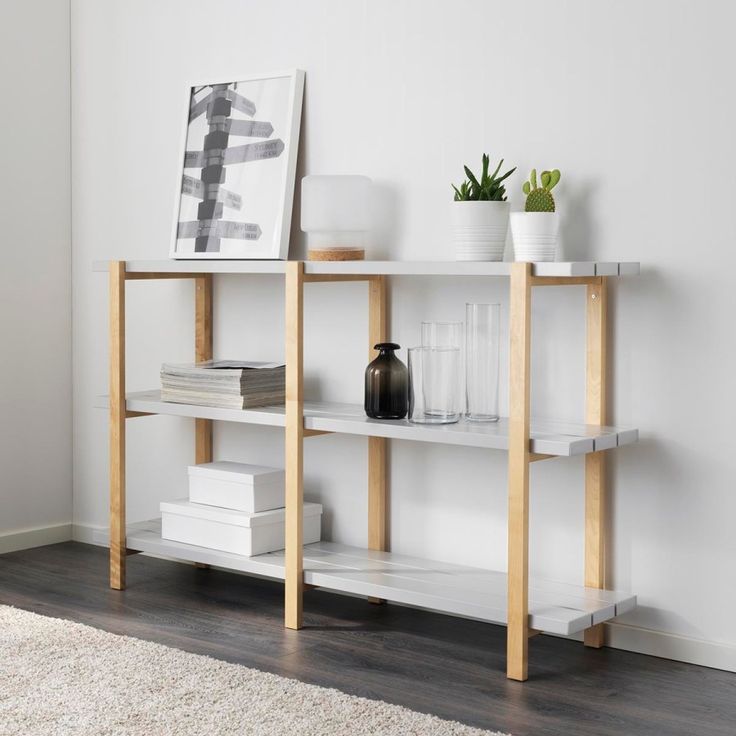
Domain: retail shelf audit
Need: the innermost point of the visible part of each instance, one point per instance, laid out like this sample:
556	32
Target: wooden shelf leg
595	467
202	352
117	425
517	644
294	444
377	446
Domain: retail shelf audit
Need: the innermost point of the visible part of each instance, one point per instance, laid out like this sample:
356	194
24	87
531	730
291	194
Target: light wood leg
294	444
595	467
377	446
117	425
377	494
517	645
202	352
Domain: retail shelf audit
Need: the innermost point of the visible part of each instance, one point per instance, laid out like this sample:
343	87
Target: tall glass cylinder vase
482	324
447	335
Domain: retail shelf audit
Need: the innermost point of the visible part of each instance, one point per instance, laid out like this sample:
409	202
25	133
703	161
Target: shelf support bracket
315	432
294	445
136	414
377	446
150	275
334	277
595	464
517	644
117	424
203	351
564	280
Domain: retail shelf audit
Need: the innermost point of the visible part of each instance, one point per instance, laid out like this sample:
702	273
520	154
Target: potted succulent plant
481	215
535	230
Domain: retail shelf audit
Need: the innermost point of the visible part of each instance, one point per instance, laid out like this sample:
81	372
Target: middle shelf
548	437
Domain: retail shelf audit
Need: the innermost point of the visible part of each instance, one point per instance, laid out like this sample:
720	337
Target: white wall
35	278
632	101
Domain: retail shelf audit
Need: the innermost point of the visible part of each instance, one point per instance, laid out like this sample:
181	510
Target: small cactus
539	198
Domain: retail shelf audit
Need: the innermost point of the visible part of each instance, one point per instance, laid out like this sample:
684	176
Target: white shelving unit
508	598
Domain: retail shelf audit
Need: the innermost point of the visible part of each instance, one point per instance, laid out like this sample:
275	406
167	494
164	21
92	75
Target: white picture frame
239	145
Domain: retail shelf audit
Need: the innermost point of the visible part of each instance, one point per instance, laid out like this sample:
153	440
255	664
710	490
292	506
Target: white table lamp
336	215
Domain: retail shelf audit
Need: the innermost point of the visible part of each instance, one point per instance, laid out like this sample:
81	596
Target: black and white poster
239	164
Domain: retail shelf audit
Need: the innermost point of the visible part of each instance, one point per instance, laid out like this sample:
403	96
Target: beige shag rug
59	678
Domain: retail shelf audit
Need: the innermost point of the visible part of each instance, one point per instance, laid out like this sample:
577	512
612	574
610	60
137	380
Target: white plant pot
479	230
535	235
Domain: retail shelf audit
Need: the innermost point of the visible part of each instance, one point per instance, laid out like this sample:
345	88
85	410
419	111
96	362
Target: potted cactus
535	230
481	215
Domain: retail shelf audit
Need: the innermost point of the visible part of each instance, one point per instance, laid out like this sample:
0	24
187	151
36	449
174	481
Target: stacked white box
234	507
237	486
239	532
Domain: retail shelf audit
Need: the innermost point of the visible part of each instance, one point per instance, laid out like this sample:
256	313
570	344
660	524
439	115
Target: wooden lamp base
336	254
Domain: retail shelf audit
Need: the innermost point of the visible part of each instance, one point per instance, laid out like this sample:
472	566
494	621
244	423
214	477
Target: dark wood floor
428	662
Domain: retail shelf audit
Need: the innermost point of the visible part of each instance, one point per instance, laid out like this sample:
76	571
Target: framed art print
239	163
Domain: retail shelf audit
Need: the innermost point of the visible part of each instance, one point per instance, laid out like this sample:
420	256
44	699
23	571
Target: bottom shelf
556	608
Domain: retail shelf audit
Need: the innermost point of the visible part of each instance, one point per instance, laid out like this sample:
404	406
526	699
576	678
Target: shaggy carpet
59	678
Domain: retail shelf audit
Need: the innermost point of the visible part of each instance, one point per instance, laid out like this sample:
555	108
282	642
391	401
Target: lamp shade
336	210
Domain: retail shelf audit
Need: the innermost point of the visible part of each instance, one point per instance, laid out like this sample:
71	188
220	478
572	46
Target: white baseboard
620	636
718	655
36	537
85	533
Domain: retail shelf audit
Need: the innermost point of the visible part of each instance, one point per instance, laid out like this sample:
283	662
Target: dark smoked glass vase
386	384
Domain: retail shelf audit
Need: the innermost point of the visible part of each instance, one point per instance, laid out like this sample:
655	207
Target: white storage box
239	532
237	486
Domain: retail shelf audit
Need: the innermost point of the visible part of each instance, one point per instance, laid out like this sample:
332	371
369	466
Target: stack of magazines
227	384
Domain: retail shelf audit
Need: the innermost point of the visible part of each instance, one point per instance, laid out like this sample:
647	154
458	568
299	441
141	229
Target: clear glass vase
434	385
482	326
442	335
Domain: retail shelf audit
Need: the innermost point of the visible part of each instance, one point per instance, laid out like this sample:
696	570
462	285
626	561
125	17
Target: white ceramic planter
535	235
479	230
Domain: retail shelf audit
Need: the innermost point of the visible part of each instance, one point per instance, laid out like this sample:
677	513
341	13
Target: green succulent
488	189
540	199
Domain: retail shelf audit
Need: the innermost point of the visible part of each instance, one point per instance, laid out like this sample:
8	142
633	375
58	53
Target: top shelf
381	268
